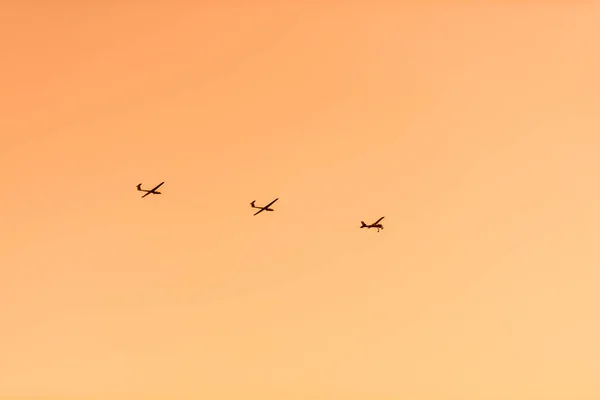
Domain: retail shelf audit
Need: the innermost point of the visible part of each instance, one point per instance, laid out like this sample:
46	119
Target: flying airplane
153	191
375	224
265	208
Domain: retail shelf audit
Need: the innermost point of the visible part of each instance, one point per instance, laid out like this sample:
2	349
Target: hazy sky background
473	127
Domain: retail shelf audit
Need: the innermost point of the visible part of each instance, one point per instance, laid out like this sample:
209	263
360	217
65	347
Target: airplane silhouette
265	208
152	191
375	224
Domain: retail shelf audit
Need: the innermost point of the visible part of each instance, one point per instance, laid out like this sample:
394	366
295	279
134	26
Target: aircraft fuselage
378	226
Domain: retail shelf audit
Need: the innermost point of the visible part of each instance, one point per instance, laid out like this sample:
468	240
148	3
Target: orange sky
474	129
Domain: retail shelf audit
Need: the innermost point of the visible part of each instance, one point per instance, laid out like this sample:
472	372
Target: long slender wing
259	211
157	187
267	206
147	193
376	222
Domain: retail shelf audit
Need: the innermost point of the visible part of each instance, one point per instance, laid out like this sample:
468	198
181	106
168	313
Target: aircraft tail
363	224
139	187
252	204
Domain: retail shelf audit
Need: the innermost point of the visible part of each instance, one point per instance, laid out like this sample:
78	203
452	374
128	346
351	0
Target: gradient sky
473	127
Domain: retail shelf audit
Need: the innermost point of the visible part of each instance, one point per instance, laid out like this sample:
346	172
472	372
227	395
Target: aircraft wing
157	187
376	222
147	193
267	206
259	211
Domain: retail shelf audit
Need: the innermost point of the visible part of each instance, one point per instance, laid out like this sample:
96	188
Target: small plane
152	191
375	224
265	208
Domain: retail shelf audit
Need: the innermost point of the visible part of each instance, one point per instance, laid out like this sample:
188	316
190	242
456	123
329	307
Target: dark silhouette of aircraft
152	191
265	208
375	224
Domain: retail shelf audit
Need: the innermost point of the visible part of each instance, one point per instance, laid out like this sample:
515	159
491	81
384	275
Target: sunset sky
473	127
